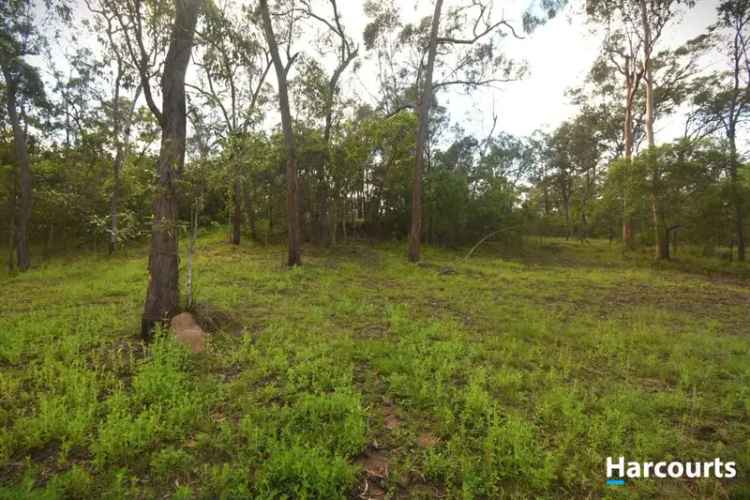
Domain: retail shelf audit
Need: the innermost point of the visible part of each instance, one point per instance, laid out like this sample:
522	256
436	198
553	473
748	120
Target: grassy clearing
490	378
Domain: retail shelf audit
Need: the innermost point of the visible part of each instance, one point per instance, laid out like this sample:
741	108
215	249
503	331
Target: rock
188	332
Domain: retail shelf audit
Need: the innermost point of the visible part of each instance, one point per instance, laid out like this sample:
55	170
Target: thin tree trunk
237	212
162	298
631	85
334	225
323	191
415	233
660	230
294	257
191	249
737	197
740	56
12	221
23	206
117	164
122	140
343	223
250	209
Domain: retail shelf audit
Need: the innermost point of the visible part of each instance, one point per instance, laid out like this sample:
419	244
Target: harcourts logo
619	470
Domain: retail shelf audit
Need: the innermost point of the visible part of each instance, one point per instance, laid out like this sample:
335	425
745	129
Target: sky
558	54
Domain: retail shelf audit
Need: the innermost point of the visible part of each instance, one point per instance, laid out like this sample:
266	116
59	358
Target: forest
361	249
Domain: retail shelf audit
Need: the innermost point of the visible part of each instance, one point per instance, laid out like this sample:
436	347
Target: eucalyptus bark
294	251
415	233
23	206
162	298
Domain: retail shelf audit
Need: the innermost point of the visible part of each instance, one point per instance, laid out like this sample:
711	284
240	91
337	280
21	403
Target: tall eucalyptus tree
140	22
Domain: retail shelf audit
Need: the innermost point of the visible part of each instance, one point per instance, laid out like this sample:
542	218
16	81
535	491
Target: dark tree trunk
294	257
11	221
162	297
415	233
23	206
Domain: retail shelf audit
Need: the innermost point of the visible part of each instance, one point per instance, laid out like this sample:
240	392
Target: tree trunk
122	140
294	251
660	230
237	212
343	223
162	297
23	207
11	221
415	233
191	249
736	197
334	223
117	164
630	89
270	220
250	209
323	190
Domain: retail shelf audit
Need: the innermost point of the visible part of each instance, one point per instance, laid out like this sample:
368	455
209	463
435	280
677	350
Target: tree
621	48
423	113
722	100
162	297
468	37
121	111
346	51
294	257
638	25
23	87
234	67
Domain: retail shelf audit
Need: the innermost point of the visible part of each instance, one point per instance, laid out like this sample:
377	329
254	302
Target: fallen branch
493	233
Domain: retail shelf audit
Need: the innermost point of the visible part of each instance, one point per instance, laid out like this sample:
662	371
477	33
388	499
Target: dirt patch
427	440
374	331
214	319
698	301
390	419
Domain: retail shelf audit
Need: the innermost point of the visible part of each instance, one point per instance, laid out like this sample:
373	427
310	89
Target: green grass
508	376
